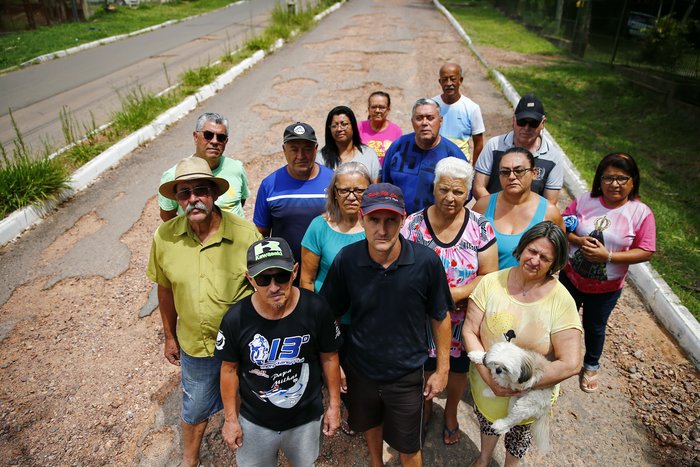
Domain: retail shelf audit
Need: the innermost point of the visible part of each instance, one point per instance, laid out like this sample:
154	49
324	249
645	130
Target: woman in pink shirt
608	229
377	131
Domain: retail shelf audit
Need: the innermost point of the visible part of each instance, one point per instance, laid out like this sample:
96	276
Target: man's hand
343	381
331	420
232	434
435	385
172	351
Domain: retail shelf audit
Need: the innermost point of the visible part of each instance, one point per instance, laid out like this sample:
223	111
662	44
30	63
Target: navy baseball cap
299	131
382	196
529	106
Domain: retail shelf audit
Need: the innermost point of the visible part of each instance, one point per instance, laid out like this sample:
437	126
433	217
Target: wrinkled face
382	229
537	259
515	173
450	195
300	155
210	149
277	286
426	123
378	108
450	81
196	198
616	185
348	192
524	134
341	129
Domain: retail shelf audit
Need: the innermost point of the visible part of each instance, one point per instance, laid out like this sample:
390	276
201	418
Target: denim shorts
201	394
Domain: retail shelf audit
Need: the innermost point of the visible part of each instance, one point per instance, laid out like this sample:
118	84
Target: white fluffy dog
517	369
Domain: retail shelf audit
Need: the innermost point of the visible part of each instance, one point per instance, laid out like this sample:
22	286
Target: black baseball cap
529	107
269	253
299	131
382	196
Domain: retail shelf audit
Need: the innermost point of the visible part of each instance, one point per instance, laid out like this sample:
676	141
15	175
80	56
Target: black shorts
397	404
457	364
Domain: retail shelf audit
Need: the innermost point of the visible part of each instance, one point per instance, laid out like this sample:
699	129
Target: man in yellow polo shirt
198	261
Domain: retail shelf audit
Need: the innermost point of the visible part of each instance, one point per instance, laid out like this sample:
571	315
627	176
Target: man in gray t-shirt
528	123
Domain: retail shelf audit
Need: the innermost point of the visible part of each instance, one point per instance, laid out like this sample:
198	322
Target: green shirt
230	170
205	278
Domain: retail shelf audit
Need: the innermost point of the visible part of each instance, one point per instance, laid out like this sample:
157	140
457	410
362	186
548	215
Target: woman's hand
594	251
497	389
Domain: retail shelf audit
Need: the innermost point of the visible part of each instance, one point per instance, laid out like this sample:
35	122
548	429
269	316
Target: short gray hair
424	101
348	168
211	117
553	233
455	168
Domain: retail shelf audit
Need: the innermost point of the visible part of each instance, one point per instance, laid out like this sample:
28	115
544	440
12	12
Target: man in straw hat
198	261
393	287
275	345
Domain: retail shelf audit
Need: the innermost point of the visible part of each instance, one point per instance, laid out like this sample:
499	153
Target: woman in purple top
466	244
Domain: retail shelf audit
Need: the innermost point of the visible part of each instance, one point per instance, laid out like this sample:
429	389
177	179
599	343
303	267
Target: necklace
523	291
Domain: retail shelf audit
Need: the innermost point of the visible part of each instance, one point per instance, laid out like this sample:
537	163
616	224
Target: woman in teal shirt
517	208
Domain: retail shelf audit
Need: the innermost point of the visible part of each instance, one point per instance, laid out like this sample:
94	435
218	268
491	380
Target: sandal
588	382
447	435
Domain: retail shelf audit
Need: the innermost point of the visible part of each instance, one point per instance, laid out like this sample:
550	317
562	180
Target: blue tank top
507	243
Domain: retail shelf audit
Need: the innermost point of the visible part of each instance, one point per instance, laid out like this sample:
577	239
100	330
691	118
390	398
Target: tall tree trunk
687	13
583	27
29	12
558	17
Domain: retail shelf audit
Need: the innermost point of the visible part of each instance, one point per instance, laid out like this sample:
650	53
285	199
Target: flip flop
588	383
447	434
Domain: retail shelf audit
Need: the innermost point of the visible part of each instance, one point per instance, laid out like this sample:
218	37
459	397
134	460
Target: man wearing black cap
275	345
528	123
289	198
392	286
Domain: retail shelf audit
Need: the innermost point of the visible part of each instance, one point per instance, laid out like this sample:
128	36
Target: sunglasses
519	172
281	278
220	137
529	122
199	191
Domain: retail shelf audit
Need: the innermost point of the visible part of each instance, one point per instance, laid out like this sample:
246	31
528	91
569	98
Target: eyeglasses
519	172
378	107
620	179
220	137
281	278
199	191
341	125
345	192
532	123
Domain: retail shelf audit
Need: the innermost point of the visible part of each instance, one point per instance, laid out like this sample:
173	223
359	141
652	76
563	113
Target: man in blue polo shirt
410	161
290	197
393	287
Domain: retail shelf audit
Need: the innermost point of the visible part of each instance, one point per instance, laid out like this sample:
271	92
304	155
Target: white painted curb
107	40
653	288
17	222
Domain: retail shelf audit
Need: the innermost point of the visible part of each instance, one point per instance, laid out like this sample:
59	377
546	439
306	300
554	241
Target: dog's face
510	365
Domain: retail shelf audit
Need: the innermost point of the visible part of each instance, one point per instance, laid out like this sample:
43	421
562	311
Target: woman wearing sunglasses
343	143
517	208
329	233
609	229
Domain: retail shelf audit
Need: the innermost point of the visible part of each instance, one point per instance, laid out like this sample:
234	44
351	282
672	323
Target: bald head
450	80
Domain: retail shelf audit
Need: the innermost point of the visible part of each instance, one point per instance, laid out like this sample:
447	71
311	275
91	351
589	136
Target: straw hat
192	168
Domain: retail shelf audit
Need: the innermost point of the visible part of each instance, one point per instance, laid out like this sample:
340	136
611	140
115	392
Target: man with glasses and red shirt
210	138
528	123
198	261
277	347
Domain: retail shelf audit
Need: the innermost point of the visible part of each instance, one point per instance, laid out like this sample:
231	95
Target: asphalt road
89	83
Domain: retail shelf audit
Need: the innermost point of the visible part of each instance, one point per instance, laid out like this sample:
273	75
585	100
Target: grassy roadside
20	46
592	111
34	179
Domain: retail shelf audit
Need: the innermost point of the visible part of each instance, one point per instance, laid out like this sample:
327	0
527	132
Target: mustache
198	205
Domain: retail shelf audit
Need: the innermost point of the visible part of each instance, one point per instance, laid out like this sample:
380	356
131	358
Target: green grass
592	111
18	47
487	26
